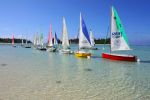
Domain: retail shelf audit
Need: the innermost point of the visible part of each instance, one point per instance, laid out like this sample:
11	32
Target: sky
27	17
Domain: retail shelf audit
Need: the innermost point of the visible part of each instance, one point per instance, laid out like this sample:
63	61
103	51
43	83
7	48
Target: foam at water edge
88	57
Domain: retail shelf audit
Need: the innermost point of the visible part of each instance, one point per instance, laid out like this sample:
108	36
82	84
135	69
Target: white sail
84	39
92	38
50	39
41	40
65	40
118	36
35	40
26	40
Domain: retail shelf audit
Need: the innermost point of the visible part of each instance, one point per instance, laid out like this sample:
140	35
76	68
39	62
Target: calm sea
29	74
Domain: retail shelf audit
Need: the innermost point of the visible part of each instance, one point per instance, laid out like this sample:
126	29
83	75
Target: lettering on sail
116	36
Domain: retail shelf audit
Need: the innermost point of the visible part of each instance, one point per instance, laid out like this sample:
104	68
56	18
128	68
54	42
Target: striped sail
84	39
65	40
118	37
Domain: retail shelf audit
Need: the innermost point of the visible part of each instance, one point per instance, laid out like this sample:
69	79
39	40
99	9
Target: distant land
8	40
73	41
97	41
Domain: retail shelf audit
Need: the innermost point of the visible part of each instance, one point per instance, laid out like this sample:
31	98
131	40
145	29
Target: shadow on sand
3	65
88	69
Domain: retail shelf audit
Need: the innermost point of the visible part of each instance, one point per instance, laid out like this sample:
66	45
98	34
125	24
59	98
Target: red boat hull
119	57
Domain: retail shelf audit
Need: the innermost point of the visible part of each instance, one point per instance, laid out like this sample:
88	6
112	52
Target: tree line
8	40
72	41
97	41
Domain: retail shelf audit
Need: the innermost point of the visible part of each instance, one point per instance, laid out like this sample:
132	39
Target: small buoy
138	60
88	57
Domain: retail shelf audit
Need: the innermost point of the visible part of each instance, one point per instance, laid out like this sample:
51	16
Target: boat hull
92	48
52	49
66	51
26	46
119	57
83	55
41	48
14	46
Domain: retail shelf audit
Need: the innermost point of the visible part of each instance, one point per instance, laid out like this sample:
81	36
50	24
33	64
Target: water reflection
39	75
145	61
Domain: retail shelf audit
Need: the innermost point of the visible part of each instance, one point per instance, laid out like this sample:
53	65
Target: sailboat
22	42
65	40
92	41
26	45
84	40
13	41
35	40
50	46
118	40
40	44
55	41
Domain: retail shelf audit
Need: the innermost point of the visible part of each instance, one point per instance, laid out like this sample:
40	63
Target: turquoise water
29	74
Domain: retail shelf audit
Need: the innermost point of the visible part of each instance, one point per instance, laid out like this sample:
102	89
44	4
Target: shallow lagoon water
29	74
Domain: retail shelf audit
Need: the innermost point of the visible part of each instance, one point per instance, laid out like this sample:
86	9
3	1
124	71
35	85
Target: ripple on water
58	82
88	69
3	65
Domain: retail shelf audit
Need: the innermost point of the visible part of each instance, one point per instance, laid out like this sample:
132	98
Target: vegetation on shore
73	41
8	40
97	41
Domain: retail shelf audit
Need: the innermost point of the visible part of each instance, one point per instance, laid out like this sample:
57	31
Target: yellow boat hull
84	55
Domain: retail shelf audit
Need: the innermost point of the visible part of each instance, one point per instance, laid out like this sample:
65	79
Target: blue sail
56	39
85	32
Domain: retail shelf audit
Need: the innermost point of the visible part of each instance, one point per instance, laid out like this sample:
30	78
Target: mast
80	30
26	40
22	40
111	11
108	32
